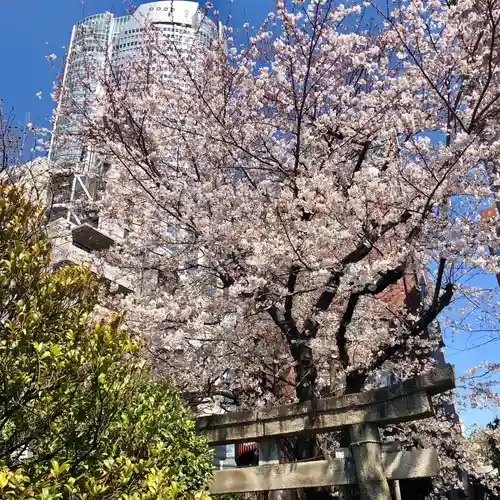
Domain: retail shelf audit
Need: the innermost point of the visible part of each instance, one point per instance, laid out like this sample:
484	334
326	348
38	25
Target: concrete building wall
492	215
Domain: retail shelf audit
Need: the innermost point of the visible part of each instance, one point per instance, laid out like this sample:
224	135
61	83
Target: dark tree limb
341	332
324	301
287	326
417	329
292	282
385	280
439	281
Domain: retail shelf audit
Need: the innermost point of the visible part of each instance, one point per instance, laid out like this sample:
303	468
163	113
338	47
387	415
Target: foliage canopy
80	416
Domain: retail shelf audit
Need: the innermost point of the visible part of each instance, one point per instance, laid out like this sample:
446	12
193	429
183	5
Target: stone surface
221	429
284	476
398	403
400	465
367	454
411	464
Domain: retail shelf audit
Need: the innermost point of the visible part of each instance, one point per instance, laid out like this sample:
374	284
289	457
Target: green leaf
54	355
55	350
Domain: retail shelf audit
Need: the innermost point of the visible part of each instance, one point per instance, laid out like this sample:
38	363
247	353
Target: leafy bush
80	416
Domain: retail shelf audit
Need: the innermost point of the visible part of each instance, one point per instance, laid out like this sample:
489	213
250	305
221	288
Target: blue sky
32	29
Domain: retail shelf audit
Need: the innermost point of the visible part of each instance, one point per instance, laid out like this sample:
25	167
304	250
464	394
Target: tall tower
180	26
73	178
102	38
100	44
489	215
88	48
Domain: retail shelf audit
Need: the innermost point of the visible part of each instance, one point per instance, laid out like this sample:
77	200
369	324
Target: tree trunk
306	448
305	381
305	372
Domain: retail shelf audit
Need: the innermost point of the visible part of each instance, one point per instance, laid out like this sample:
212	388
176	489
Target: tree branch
287	326
439	280
428	316
292	281
341	333
324	301
386	279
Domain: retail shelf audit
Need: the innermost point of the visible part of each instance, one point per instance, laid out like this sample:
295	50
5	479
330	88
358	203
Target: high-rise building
101	44
73	177
491	214
103	41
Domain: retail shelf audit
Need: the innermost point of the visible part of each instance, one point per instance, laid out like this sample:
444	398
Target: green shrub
80	416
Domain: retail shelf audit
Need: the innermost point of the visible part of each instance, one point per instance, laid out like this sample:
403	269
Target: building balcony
89	237
75	246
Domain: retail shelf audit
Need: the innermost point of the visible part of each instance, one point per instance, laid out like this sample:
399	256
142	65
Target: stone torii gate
371	463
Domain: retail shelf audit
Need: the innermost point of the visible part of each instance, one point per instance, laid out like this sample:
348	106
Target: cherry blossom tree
12	138
281	191
20	143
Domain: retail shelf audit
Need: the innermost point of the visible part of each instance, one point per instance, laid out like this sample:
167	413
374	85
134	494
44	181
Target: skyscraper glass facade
97	40
88	49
